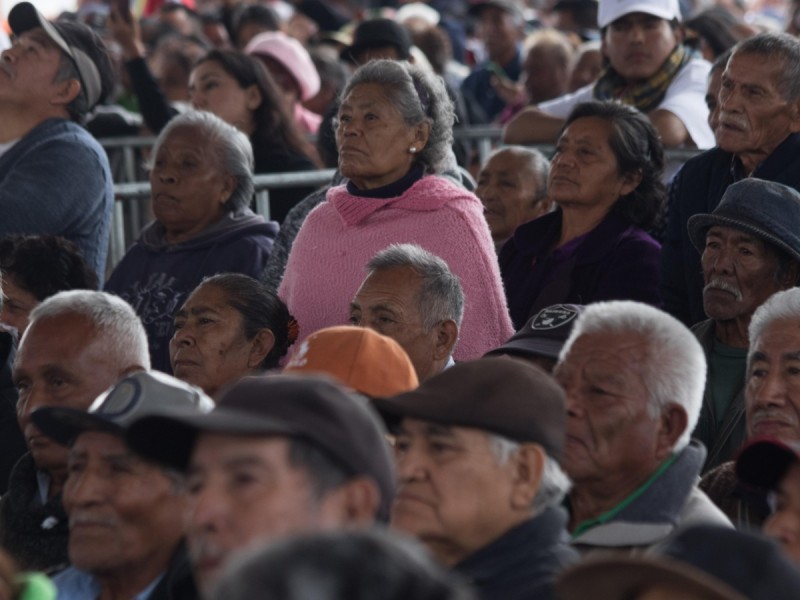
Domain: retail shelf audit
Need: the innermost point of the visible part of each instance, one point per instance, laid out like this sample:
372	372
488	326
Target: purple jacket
614	261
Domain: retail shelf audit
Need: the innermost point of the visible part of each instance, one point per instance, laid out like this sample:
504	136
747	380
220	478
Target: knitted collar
645	95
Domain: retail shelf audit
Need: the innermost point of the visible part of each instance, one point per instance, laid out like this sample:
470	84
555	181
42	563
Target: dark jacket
615	261
722	443
698	188
35	535
156	278
523	563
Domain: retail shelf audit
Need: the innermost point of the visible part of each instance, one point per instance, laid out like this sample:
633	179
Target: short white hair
780	306
554	483
112	318
673	366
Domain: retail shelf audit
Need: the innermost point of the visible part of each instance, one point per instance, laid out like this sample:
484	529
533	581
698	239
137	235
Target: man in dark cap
477	450
750	249
376	39
278	455
125	514
54	177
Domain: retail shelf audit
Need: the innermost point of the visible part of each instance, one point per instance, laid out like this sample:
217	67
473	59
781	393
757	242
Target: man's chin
49	458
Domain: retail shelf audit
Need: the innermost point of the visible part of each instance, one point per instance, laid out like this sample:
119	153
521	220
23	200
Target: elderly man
772	408
54	177
278	455
501	27
759	121
477	450
649	69
125	513
411	296
750	249
512	186
634	380
77	345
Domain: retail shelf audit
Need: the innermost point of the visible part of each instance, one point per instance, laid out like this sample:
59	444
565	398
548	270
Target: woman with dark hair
35	267
230	326
605	178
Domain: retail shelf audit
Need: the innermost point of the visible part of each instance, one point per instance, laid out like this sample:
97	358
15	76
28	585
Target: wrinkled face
213	89
607	409
243	490
28	69
783	524
772	392
188	184
507	188
638	44
587	68
209	348
498	32
453	495
61	362
125	514
545	75
17	304
584	169
738	271
712	98
387	302
754	116
373	140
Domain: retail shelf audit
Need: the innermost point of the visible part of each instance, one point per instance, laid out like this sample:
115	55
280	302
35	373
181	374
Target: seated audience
701	563
78	343
512	186
477	449
230	326
414	298
34	268
750	249
201	181
278	455
633	378
125	513
541	339
361	359
648	68
605	179
394	133
331	566
771	405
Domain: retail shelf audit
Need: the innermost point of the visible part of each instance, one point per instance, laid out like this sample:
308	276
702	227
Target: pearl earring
413	149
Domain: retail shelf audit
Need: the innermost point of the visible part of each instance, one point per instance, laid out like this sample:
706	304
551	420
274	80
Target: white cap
611	10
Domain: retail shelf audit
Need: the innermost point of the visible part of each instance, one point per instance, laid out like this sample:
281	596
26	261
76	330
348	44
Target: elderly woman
230	326
605	178
201	182
394	133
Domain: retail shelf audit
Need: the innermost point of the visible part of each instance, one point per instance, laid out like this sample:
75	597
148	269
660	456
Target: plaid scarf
645	95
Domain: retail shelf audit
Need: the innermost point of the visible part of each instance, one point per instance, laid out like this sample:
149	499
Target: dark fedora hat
378	32
766	209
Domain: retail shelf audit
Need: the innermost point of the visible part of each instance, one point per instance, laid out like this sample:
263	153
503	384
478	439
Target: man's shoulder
72	142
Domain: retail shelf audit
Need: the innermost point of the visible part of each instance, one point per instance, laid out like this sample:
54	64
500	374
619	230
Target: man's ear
65	92
673	421
446	338
260	347
355	502
528	467
790	275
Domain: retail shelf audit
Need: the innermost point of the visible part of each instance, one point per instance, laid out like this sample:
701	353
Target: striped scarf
646	95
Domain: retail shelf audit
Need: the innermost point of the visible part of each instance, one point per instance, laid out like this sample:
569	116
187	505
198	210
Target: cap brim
698	226
169	440
623	577
64	425
544	348
762	463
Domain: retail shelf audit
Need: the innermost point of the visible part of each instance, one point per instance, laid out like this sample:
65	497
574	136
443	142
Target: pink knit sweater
328	258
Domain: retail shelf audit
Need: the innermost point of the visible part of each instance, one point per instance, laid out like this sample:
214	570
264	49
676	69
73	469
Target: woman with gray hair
201	178
394	130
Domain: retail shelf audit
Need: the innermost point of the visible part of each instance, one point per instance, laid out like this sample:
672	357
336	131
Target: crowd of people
537	378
